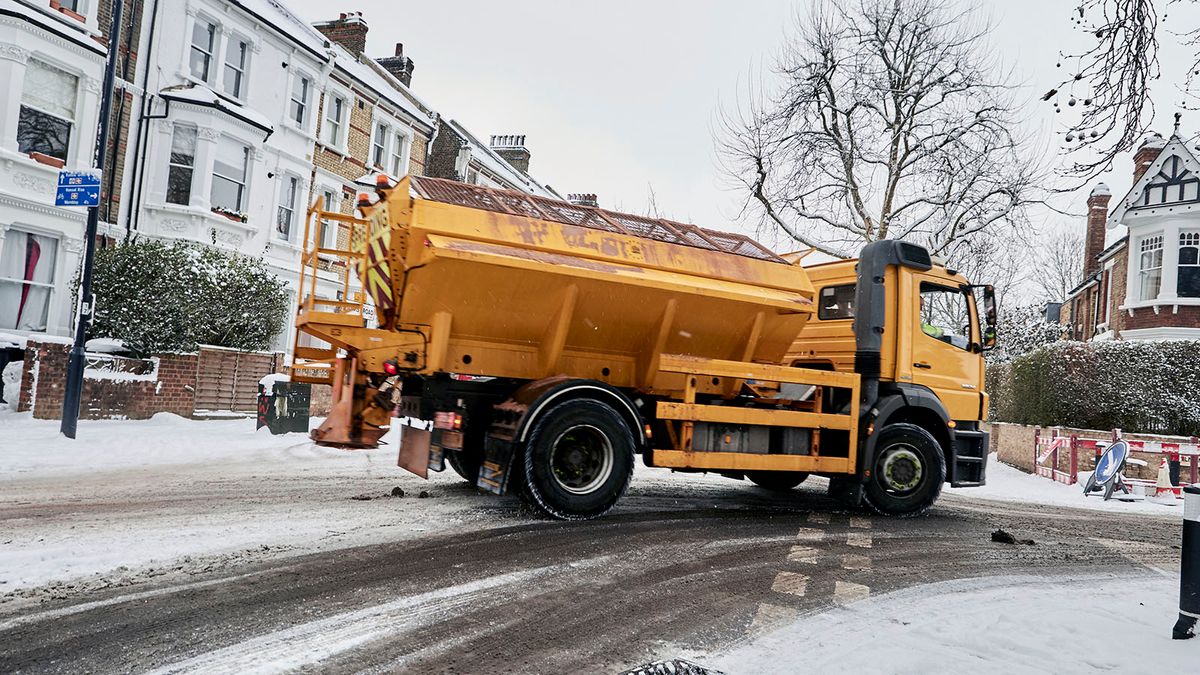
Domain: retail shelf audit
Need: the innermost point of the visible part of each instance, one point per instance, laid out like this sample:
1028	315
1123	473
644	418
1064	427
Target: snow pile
1006	484
106	346
11	378
268	381
999	625
10	341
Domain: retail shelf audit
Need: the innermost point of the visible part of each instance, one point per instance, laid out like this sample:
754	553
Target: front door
943	347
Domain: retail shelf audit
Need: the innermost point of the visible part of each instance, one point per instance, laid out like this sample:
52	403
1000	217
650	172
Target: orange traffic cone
1163	490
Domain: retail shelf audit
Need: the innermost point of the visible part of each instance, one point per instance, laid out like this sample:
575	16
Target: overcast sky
619	96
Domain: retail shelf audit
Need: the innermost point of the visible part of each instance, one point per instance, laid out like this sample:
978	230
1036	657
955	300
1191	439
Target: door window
836	302
945	315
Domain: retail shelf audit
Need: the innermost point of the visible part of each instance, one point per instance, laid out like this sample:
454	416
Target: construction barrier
1049	443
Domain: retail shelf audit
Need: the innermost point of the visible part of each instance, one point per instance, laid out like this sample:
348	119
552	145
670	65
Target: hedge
1150	387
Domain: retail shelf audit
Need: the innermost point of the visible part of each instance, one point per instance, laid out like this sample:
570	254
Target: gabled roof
1173	147
373	77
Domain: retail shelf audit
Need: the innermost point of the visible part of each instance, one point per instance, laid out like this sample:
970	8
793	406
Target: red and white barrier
1046	448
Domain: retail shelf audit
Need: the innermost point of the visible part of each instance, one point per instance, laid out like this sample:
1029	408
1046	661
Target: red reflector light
447	420
391	367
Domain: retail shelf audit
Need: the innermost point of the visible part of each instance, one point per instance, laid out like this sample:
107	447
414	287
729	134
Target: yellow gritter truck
539	346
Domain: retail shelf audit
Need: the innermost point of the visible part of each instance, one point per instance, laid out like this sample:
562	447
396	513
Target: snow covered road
236	544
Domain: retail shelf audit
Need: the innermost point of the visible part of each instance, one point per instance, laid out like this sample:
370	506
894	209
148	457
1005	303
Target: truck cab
936	327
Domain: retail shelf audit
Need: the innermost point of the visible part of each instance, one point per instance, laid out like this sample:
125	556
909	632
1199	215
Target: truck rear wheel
465	464
578	460
908	473
776	481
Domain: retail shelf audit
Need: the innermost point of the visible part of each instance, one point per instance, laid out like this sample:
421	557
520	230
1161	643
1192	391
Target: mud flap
414	450
497	459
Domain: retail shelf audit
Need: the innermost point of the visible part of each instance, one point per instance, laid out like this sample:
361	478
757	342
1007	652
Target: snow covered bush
1137	386
160	297
1020	331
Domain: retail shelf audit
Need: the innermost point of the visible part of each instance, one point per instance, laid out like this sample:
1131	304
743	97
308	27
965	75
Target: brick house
1145	284
503	163
370	121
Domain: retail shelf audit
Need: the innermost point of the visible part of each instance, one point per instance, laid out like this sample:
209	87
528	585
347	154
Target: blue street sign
1111	461
78	188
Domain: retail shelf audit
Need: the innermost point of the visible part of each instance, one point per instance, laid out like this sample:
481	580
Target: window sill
1160	302
201	213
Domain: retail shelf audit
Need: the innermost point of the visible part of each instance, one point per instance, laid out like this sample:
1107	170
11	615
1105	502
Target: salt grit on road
139	499
998	625
130	501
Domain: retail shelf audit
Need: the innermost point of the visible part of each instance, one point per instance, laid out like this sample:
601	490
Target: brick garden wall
1013	445
116	387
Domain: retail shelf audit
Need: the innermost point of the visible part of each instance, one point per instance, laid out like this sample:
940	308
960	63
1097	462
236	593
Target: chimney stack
584	200
512	148
1146	153
348	30
1097	215
399	65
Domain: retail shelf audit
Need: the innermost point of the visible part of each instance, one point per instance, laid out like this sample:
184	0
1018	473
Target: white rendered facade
50	76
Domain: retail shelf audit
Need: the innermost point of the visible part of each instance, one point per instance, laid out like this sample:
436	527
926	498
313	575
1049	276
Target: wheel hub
902	469
581	459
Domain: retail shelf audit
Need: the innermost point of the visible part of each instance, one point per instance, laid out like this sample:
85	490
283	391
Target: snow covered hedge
160	297
1151	387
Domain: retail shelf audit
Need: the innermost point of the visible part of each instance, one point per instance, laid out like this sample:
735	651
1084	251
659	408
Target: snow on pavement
1008	484
996	625
128	500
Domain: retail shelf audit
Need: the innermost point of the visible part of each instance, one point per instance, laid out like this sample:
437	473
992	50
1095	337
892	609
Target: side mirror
989	317
988	327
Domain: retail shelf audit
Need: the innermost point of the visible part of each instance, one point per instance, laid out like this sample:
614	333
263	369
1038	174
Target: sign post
84	187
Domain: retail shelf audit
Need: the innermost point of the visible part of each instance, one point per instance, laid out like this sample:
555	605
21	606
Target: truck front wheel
578	460
908	472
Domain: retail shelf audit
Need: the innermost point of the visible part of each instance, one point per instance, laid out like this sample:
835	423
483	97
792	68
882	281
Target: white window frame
242	208
1187	238
292	209
306	113
172	165
212	56
231	40
327	228
73	134
343	122
381	135
55	272
400	155
1149	244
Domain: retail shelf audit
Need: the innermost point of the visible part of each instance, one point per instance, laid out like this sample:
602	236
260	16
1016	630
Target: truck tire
908	471
777	481
465	464
578	460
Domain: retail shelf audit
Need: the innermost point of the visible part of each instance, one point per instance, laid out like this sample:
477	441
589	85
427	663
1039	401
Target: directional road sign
78	188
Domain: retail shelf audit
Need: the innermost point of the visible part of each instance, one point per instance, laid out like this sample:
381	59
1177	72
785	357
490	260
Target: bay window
1150	267
204	38
229	176
47	111
1189	265
181	165
26	280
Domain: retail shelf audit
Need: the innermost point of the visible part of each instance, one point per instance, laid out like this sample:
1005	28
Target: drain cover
672	667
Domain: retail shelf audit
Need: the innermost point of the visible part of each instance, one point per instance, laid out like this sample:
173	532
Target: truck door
943	347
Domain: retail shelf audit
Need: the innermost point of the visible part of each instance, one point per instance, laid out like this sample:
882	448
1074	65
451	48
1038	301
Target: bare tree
889	121
1059	266
1108	83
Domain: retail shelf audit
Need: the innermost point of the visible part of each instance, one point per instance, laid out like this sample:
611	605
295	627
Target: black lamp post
73	390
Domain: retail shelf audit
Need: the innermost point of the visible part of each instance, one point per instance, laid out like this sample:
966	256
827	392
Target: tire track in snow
315	641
